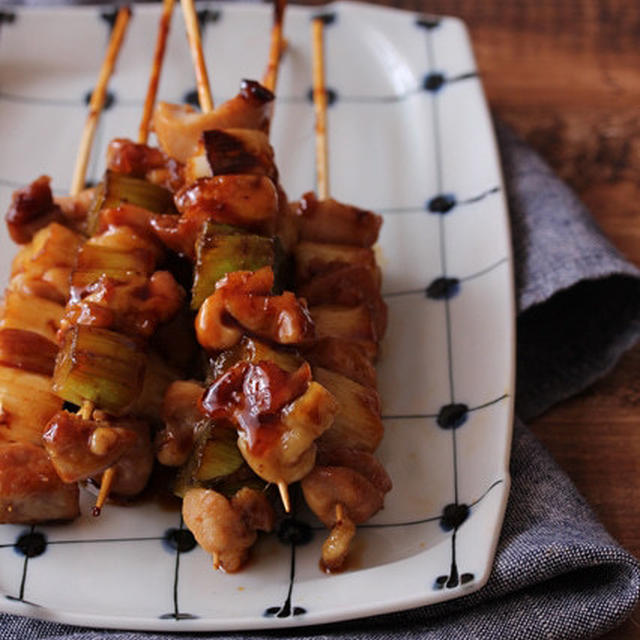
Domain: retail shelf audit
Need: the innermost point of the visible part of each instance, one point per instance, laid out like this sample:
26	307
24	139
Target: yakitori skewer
98	98
348	483
164	24
158	58
277	46
195	45
96	105
206	102
320	103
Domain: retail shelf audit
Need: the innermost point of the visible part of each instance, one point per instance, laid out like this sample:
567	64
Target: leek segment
99	366
222	249
118	188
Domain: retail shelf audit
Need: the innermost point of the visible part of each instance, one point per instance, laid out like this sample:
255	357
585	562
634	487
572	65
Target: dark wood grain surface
565	74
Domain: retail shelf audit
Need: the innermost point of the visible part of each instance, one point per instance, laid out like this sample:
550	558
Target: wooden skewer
195	44
105	488
320	103
284	495
322	154
158	57
277	47
143	134
86	410
97	100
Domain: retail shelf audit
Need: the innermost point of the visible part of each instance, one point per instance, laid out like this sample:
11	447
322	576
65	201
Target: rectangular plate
410	137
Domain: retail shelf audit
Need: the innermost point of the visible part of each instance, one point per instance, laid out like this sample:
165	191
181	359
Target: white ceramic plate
410	137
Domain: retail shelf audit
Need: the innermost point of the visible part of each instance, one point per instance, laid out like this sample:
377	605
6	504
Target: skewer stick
322	154
277	47
195	45
158	57
320	103
284	495
97	100
105	488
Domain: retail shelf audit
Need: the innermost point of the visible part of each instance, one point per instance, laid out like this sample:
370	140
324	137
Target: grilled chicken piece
181	415
134	306
30	489
133	468
75	208
357	424
232	151
278	414
245	200
227	528
333	222
314	258
143	161
348	286
346	488
242	302
343	356
31	209
179	127
79	448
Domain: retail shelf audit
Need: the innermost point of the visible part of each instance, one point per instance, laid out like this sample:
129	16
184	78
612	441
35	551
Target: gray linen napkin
557	573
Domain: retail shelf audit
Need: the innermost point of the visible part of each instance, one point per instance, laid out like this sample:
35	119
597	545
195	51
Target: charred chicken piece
232	151
241	302
181	416
346	488
143	161
179	127
249	201
227	528
80	448
31	209
333	222
134	305
278	414
133	468
30	489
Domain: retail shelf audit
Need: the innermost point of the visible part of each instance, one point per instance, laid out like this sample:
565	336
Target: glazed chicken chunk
227	528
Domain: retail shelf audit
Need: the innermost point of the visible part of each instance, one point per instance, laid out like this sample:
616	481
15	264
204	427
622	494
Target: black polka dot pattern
181	540
327	18
452	416
332	96
293	531
7	17
31	545
442	203
443	288
109	17
428	22
191	97
109	99
283	612
453	515
207	16
433	82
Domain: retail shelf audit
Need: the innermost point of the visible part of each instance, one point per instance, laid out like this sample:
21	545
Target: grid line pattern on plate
453	414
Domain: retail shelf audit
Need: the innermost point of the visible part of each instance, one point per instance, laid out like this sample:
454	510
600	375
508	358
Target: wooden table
566	76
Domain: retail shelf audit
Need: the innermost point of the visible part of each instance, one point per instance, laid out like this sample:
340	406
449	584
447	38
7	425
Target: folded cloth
557	573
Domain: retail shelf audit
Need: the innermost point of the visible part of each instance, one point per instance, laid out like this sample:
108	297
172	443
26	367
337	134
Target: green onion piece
99	366
222	249
118	188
